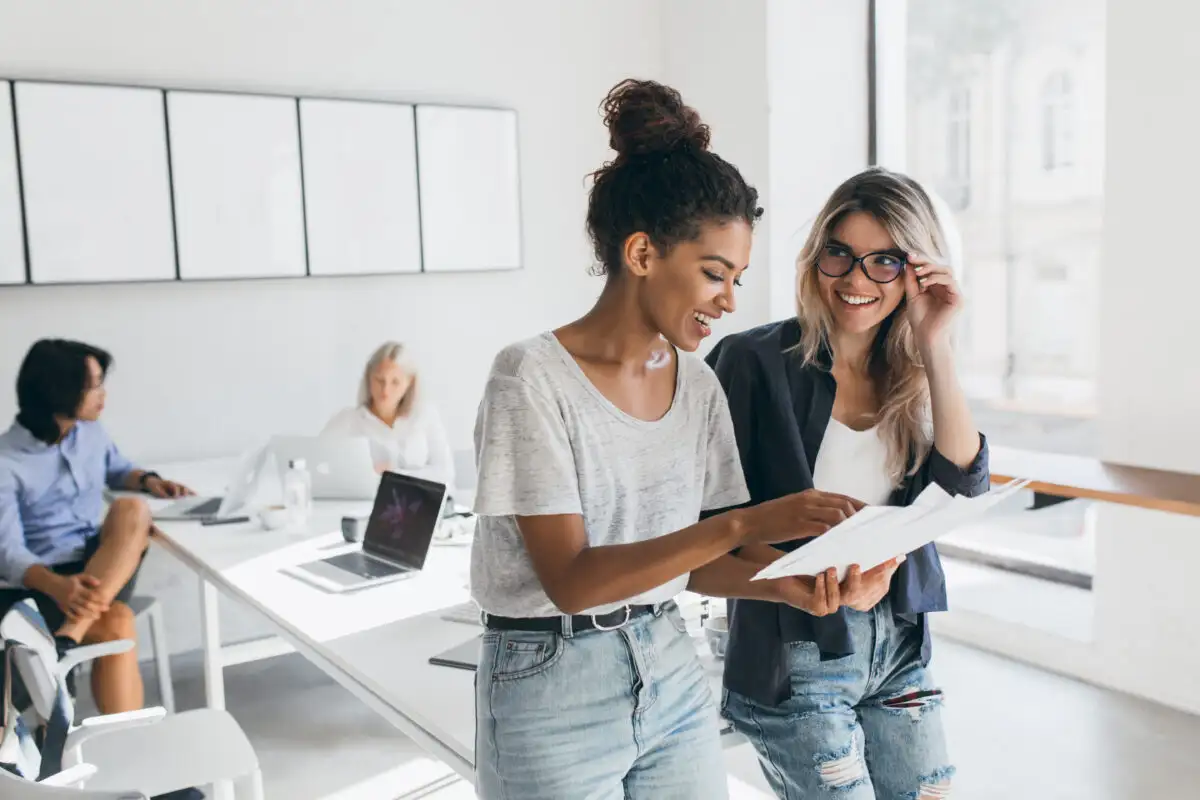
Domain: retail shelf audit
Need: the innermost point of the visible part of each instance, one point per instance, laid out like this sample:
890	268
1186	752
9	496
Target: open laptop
340	466
242	486
399	532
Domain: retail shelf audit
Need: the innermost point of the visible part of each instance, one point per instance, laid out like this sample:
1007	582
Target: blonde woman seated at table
405	432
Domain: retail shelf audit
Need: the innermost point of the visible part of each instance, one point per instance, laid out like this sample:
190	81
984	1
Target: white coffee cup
273	517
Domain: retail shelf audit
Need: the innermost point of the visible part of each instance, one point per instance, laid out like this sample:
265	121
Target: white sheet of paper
879	533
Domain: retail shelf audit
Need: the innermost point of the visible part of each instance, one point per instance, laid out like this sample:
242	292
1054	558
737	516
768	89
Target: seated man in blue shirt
55	461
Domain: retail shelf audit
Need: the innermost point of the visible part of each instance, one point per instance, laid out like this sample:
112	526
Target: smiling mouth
704	321
856	299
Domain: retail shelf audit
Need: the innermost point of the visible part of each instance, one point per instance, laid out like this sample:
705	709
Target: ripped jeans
864	727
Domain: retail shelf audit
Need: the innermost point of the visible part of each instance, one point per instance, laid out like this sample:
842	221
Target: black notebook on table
464	656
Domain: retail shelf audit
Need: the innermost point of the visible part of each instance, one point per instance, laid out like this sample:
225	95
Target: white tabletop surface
249	558
382	637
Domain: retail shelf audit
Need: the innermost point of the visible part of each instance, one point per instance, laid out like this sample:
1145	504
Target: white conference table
376	643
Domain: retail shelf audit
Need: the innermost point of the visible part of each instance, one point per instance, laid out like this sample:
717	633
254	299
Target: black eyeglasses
836	261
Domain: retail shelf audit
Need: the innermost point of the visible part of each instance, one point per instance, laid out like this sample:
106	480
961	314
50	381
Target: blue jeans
864	727
598	715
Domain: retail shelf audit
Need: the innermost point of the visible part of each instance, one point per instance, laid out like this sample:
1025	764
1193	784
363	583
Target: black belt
579	622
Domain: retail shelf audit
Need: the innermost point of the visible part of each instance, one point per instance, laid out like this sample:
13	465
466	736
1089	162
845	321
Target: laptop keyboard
207	508
363	566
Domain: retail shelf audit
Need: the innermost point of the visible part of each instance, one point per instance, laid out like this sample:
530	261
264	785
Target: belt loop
600	627
568	629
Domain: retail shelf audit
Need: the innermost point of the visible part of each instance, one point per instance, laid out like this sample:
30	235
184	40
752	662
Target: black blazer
780	410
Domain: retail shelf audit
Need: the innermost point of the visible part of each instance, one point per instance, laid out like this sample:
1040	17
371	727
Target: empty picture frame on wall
96	187
470	189
360	187
239	208
12	225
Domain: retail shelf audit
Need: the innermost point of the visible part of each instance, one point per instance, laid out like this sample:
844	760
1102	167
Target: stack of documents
878	533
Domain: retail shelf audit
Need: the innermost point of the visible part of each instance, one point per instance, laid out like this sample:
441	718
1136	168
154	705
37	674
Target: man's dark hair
664	181
52	382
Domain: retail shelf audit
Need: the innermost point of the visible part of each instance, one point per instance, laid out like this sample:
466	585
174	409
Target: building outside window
985	103
997	107
958	148
1058	128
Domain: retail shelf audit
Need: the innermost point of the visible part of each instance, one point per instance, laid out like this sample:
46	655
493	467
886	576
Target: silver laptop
341	466
241	488
406	512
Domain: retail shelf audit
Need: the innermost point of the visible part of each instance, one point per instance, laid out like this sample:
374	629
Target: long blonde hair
390	351
908	214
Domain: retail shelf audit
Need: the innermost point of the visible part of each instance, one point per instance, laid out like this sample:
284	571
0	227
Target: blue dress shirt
52	495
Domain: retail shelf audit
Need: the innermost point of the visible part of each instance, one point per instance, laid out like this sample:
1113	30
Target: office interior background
1059	136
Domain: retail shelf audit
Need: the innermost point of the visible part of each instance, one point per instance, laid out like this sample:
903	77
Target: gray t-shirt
548	442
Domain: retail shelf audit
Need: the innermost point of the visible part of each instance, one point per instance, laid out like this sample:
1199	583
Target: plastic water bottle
297	492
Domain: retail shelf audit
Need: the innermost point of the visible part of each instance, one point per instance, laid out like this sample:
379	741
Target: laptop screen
406	511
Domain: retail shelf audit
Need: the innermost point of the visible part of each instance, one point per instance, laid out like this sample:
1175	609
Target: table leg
214	677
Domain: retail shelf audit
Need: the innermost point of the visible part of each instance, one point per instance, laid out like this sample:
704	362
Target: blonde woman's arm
933	301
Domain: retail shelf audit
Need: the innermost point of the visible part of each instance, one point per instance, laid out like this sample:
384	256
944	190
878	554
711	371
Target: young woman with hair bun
599	445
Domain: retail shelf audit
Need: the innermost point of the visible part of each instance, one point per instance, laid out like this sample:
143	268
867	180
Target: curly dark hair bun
645	117
664	182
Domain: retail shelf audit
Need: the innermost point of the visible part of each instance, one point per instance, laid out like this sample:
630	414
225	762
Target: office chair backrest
48	690
18	753
25	625
42	682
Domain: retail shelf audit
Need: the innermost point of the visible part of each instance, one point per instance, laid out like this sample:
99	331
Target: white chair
144	749
21	624
21	761
150	608
63	786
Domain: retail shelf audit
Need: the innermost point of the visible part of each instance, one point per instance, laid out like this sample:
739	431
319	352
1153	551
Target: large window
986	102
997	106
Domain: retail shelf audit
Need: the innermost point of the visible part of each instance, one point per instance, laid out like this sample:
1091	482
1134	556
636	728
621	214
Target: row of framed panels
110	183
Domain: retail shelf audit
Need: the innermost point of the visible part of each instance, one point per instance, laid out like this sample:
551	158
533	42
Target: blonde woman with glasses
857	395
404	429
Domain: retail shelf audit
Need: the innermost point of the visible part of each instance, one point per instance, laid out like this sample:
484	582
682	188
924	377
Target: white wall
817	74
784	86
207	369
714	52
1149	369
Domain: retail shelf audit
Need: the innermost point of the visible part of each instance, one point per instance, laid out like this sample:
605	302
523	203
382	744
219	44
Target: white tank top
853	463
